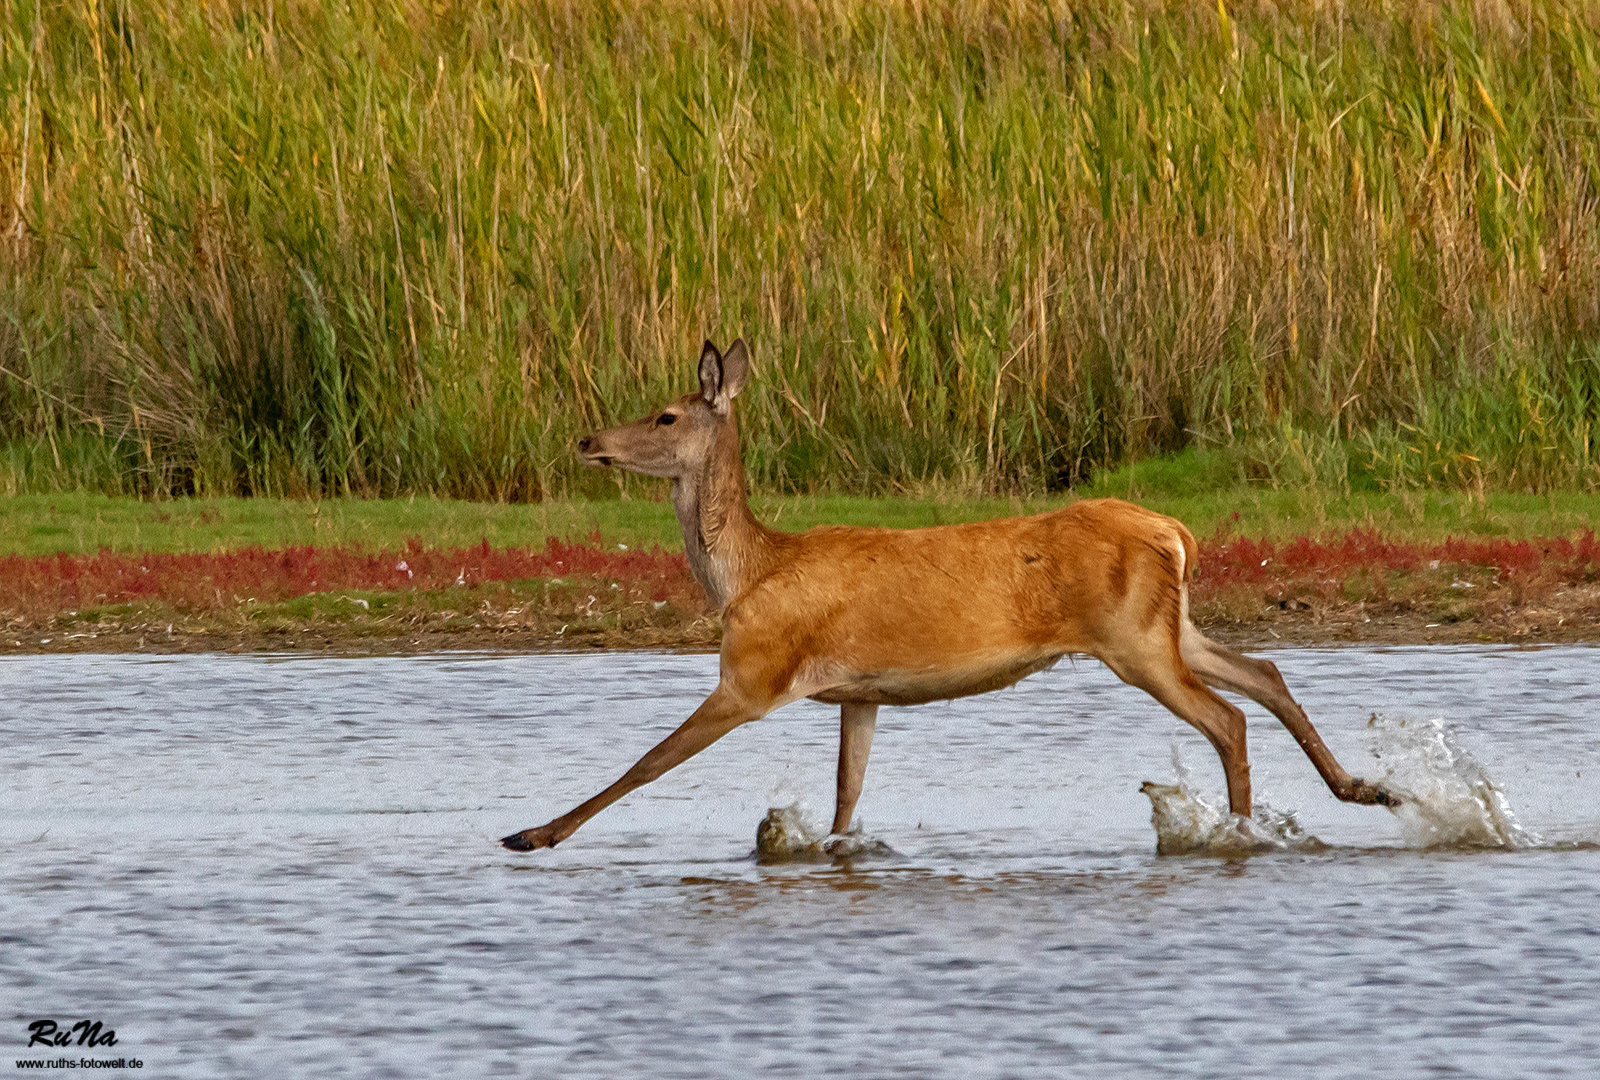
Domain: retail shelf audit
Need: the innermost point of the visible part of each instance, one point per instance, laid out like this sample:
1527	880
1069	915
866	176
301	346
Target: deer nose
586	444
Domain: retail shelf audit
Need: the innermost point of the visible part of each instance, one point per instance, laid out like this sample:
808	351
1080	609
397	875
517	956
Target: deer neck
727	547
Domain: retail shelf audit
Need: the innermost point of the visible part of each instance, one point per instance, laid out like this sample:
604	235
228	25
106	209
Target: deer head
677	440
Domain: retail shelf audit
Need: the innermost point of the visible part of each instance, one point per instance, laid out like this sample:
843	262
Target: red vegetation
210	582
217	580
1552	560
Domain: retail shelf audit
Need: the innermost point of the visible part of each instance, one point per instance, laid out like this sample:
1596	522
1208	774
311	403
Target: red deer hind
863	617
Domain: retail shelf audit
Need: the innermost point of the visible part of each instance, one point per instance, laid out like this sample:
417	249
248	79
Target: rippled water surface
289	867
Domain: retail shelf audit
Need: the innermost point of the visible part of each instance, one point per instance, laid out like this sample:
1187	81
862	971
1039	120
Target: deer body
863	617
903	617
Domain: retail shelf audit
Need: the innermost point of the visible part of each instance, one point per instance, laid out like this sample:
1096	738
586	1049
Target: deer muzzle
589	450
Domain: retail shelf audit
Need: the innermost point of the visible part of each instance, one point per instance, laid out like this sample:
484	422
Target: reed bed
378	248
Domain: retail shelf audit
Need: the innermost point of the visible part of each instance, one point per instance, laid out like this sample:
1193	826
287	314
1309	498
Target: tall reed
385	247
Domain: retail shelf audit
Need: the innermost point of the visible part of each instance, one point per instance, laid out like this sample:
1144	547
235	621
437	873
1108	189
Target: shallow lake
265	866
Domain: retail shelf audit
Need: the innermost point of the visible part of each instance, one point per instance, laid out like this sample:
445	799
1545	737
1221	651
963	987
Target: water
289	867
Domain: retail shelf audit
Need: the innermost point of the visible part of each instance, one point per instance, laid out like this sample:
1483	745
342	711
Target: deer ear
735	366
710	373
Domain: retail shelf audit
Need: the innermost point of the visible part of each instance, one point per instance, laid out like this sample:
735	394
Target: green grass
84	523
81	523
380	249
1207	489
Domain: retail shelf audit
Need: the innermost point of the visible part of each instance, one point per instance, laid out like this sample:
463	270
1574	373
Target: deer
862	617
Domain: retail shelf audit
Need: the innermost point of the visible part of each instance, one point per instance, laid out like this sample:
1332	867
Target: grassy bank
209	574
80	523
375	248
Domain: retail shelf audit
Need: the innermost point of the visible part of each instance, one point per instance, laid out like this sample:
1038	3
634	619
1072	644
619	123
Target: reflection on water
258	867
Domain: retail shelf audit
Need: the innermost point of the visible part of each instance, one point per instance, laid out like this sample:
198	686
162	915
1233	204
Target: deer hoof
531	839
1372	794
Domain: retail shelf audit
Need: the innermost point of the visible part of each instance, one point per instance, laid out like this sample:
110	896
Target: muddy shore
1569	617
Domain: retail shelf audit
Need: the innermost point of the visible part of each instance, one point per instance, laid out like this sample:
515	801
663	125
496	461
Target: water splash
1187	823
1449	800
784	837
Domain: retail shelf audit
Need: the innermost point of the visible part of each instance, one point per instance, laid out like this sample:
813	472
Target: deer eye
667	418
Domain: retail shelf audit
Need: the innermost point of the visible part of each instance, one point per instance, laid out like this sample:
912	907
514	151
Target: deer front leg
856	726
717	715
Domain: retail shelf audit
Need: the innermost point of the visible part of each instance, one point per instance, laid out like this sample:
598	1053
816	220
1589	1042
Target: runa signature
88	1032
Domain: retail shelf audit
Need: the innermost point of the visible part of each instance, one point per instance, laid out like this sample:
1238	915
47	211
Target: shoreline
1348	625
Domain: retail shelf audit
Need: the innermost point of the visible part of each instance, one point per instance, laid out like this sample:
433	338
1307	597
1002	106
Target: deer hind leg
717	715
1221	723
1260	681
1171	682
856	726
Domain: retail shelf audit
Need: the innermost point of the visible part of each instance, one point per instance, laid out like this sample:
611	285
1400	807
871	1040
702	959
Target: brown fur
863	617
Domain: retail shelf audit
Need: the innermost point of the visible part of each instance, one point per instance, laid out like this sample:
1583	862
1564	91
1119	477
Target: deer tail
1189	556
